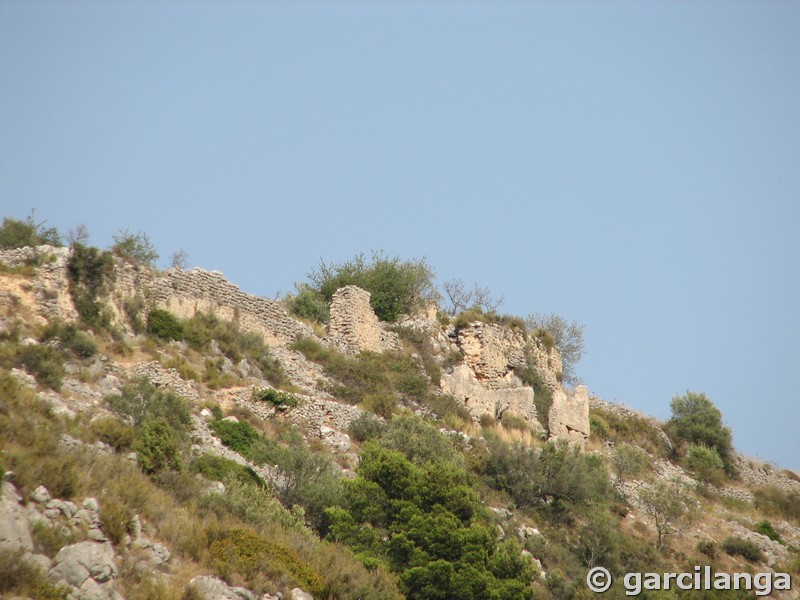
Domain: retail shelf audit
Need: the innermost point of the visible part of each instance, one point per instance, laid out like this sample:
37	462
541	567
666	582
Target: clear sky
634	166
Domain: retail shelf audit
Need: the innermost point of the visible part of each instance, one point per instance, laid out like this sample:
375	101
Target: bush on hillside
89	272
397	287
164	325
19	234
556	331
135	247
705	464
78	343
737	546
235	344
695	420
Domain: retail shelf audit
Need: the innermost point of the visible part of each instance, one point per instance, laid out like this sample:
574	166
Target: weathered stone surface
40	494
15	532
335	439
78	562
168	379
569	415
212	588
354	327
465	387
491	352
298	594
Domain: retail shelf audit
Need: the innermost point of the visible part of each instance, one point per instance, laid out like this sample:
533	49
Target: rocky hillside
167	435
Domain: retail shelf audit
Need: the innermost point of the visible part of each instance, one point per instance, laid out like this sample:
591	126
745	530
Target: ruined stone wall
185	293
479	400
354	327
491	351
50	287
569	415
548	362
760	474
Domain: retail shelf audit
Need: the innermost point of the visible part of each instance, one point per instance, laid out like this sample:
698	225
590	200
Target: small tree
567	337
179	259
705	464
695	420
78	234
135	246
396	286
628	461
19	234
462	298
670	505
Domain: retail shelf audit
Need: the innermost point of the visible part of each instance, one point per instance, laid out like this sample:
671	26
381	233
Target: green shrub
708	548
253	503
71	339
634	430
745	548
423	520
514	422
89	272
766	528
309	304
133	308
223	469
420	343
419	441
276	398
627	461
116	519
135	247
705	464
240	437
202	329
396	287
18	234
695	420
251	556
44	362
542	394
164	325
114	433
366	427
382	404
445	406
377	380
158	446
140	400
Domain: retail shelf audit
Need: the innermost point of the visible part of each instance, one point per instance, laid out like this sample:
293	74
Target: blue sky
634	166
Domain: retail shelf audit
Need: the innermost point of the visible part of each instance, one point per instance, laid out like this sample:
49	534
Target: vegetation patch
378	380
737	546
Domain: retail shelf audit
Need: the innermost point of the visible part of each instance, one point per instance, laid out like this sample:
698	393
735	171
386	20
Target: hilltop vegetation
276	465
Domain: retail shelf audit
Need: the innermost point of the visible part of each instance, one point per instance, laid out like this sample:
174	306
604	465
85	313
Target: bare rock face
478	400
14	530
492	351
569	415
354	327
89	568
